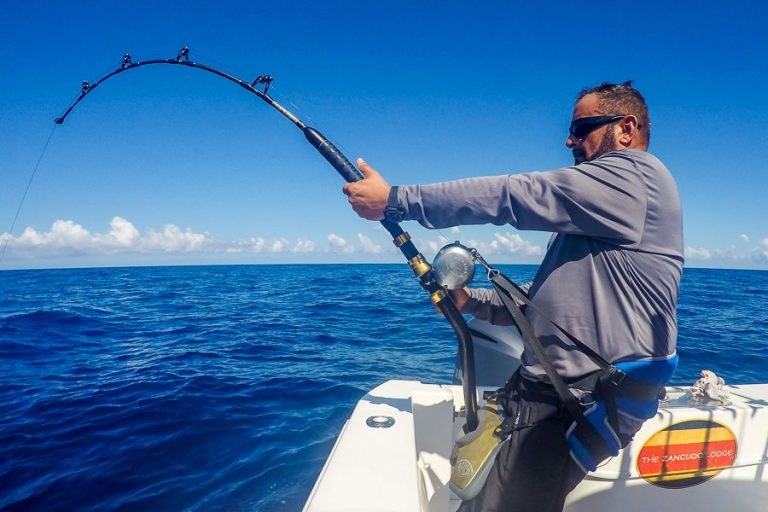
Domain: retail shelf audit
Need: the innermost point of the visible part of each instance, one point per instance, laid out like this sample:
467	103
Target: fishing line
26	190
290	94
224	65
153	55
338	160
37	165
439	232
285	98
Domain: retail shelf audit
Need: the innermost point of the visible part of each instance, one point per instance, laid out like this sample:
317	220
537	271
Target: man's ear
628	130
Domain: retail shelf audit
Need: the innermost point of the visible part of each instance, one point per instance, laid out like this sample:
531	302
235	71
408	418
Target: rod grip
331	153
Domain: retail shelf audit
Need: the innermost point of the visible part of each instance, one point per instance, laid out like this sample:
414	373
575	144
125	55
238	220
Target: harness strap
608	393
612	379
611	383
501	282
592	438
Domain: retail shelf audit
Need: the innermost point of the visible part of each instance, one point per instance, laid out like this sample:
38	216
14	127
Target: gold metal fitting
419	265
400	239
438	296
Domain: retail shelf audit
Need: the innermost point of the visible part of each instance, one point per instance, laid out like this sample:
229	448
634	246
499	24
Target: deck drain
380	421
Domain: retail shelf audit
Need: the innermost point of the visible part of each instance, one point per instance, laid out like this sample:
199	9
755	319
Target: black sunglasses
583	126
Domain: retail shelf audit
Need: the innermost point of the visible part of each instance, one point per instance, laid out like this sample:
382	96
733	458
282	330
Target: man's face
598	142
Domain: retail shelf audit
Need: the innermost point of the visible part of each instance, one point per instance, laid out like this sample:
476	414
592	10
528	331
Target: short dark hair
622	99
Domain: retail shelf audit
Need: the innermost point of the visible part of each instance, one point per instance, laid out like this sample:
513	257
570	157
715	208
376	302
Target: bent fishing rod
402	240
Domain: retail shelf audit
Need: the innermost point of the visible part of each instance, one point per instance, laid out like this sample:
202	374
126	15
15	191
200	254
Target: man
610	275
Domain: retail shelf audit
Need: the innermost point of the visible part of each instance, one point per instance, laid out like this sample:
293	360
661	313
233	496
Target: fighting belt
630	389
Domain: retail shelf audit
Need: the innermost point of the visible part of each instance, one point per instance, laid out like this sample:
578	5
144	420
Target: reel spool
454	266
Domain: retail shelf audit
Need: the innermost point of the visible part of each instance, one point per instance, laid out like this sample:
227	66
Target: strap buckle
617	376
586	399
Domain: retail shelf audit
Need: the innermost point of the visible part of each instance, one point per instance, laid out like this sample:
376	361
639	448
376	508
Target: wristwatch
393	212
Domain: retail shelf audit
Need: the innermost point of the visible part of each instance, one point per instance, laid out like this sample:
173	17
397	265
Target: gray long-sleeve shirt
612	269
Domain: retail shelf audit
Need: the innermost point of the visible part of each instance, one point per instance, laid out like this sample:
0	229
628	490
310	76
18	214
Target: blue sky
163	165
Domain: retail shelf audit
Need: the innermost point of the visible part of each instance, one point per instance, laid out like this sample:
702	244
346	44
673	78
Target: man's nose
569	142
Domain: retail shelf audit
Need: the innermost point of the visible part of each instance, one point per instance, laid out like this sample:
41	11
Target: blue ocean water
224	387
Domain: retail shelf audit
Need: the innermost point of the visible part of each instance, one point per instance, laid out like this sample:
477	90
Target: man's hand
368	197
460	297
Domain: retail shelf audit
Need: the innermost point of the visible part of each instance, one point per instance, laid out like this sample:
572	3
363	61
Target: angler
600	315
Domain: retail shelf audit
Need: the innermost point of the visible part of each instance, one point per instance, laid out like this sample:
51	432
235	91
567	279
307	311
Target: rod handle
331	153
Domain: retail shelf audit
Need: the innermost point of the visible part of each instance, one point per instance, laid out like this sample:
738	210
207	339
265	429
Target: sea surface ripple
224	387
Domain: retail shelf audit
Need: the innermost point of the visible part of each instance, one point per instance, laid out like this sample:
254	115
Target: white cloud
279	245
368	245
728	252
426	246
337	244
502	244
304	245
697	253
744	237
256	244
124	233
68	237
336	241
63	234
485	249
173	239
455	230
512	243
761	253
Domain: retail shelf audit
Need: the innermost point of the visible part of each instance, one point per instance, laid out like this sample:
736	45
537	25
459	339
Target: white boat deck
405	467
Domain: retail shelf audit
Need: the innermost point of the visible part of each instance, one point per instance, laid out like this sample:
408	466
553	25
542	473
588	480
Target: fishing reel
454	265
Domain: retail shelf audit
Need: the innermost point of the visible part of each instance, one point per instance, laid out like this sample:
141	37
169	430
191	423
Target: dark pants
533	470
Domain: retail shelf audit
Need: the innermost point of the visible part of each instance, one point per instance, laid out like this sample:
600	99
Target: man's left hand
460	297
368	197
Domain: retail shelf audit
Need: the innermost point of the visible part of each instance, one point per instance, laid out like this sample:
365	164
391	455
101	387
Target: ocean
224	387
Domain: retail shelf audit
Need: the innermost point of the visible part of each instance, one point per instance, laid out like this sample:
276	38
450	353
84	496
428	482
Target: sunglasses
583	126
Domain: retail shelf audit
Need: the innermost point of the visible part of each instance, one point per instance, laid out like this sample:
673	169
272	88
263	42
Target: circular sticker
686	454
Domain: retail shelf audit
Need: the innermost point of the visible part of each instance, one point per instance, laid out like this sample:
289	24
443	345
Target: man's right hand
368	197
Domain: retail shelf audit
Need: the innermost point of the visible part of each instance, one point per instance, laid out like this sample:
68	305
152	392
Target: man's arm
485	304
604	198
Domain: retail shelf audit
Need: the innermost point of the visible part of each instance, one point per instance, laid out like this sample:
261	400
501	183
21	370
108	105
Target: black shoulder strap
527	331
586	430
610	374
505	287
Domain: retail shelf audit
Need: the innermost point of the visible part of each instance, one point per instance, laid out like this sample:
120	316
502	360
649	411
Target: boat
393	452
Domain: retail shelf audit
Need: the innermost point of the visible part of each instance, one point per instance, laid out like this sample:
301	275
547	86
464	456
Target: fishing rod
402	240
